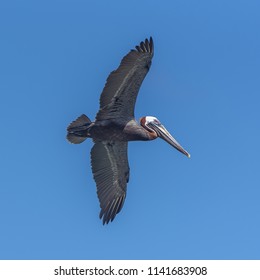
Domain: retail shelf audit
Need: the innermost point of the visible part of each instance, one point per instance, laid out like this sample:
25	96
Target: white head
151	119
156	129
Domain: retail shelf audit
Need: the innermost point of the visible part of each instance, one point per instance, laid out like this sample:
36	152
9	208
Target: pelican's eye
157	122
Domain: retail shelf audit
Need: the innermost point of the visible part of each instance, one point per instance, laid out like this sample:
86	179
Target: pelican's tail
78	130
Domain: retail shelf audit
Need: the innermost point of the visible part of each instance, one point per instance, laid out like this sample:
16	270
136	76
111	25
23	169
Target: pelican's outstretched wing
111	173
122	86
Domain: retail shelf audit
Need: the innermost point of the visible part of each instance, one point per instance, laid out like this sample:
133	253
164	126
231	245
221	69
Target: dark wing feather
119	94
111	172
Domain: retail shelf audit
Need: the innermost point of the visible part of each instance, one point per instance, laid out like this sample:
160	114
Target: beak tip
188	155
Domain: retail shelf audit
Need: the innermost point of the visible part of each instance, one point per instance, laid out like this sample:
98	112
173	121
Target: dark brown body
118	130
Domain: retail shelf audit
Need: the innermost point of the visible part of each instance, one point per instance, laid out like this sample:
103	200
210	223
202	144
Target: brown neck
149	132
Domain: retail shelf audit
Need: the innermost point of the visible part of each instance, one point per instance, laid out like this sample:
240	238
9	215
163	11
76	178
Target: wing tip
109	213
146	46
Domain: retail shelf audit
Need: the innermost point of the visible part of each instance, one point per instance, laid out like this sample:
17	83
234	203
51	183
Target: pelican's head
154	126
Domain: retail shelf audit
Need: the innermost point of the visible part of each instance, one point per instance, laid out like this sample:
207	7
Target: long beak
163	133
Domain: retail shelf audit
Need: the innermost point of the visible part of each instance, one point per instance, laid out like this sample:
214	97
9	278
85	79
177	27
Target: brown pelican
115	125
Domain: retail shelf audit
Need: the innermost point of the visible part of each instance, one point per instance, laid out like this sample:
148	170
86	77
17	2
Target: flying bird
115	125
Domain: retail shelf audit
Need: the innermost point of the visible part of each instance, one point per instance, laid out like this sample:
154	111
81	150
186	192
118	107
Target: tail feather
77	130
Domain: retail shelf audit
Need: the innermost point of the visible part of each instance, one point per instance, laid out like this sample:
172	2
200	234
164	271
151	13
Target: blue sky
203	86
